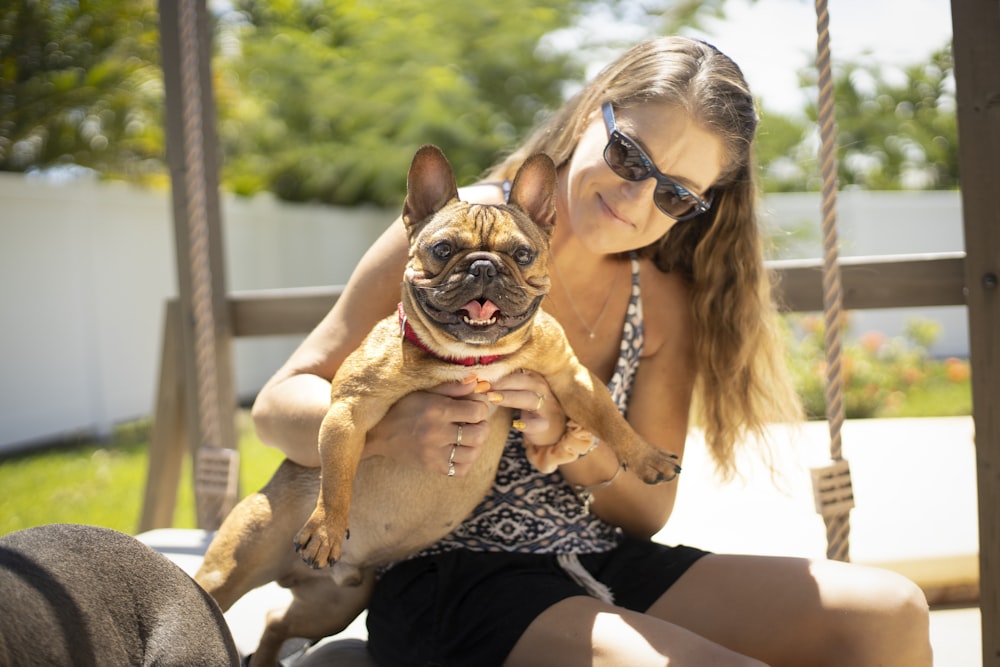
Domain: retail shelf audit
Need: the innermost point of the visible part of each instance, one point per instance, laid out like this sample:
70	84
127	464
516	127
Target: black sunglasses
627	160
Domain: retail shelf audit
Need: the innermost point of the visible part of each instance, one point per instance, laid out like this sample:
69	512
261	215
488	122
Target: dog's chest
487	372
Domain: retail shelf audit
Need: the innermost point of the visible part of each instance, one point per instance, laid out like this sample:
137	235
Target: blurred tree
328	100
895	130
80	85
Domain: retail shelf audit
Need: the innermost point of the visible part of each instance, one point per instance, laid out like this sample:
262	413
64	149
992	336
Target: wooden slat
902	281
869	282
280	311
976	49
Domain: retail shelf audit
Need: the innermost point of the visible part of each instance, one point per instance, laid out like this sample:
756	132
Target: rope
833	484
214	467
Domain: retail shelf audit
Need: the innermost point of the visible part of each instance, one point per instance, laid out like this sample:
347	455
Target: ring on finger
451	460
458	437
541	399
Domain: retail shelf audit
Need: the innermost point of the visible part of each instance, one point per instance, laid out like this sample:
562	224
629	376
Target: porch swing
200	326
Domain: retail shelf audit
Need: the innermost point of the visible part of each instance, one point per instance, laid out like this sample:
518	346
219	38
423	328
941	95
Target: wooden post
210	401
976	29
169	439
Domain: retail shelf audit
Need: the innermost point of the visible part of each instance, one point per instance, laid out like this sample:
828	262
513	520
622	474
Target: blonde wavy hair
743	382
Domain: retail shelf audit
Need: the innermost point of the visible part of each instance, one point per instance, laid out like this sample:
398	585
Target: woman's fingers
440	430
540	417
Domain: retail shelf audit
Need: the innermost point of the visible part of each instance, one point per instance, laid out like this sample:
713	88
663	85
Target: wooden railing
868	282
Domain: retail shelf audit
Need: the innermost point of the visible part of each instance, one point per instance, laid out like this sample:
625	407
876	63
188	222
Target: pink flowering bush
882	376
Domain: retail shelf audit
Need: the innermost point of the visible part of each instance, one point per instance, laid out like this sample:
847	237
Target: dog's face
476	273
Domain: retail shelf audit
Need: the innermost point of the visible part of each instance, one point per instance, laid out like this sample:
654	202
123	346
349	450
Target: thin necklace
591	330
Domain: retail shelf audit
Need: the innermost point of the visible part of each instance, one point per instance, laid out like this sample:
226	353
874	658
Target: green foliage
882	376
895	130
80	85
334	97
327	100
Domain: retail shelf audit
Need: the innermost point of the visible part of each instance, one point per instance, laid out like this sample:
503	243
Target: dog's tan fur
390	510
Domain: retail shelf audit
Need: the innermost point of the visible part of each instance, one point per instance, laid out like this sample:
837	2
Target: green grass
102	483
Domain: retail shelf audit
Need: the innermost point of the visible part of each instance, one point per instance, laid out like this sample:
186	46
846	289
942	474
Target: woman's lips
613	213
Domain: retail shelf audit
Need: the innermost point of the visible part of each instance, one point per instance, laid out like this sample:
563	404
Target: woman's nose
640	190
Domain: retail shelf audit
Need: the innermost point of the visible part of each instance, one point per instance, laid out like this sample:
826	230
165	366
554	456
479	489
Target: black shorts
468	608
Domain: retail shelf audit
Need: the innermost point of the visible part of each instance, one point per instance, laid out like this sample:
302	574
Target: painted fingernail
469	379
482	386
494	397
518	424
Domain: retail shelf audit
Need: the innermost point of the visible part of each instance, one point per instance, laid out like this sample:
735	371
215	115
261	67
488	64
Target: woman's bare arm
290	407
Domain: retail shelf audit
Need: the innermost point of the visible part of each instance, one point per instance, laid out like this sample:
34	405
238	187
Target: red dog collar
406	331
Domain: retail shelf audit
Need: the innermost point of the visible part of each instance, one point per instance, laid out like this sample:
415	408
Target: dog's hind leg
319	608
254	545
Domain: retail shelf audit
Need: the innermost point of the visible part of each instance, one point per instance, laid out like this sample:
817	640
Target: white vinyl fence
85	270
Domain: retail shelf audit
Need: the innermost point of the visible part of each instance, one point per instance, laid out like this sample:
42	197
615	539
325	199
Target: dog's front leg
341	443
588	402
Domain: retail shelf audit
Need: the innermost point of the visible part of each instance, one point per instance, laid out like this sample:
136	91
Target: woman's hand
548	442
541	419
423	428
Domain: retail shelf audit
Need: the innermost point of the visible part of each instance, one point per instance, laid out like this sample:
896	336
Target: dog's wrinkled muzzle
478	320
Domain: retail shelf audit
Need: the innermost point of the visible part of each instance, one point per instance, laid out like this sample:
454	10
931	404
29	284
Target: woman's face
610	214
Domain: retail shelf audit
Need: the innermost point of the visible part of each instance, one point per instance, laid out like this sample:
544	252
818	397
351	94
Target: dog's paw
319	543
547	458
576	442
654	465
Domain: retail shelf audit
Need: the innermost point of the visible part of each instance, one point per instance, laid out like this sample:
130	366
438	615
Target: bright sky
772	40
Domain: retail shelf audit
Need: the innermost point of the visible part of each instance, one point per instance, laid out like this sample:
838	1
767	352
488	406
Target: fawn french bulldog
470	310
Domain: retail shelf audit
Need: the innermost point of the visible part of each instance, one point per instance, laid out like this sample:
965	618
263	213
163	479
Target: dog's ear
430	185
534	191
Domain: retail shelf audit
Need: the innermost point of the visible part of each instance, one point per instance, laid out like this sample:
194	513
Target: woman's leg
587	632
781	611
788	611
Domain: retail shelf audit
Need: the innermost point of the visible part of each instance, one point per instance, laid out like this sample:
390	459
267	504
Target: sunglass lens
625	159
671	202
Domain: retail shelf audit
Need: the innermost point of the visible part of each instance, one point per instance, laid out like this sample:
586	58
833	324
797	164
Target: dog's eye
442	250
524	256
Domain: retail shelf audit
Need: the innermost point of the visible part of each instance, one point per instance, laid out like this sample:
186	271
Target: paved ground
915	509
897	522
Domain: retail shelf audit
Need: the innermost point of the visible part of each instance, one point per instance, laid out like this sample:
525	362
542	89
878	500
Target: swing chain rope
216	468
832	485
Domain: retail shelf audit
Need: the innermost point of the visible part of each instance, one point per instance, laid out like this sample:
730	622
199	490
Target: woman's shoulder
485	192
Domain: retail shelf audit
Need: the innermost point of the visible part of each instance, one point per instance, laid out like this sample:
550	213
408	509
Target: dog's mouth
480	321
480	313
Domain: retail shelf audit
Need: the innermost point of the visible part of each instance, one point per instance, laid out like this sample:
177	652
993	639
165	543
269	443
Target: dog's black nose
483	268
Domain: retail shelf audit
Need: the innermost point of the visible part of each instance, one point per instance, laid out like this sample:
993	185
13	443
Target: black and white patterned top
529	511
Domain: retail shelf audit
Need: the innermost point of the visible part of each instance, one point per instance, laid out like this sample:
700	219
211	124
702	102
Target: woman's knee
887	622
907	619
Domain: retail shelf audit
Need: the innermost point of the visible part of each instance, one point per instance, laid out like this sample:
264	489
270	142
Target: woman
658	278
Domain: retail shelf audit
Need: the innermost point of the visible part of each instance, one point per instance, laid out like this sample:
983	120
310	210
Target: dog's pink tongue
480	311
